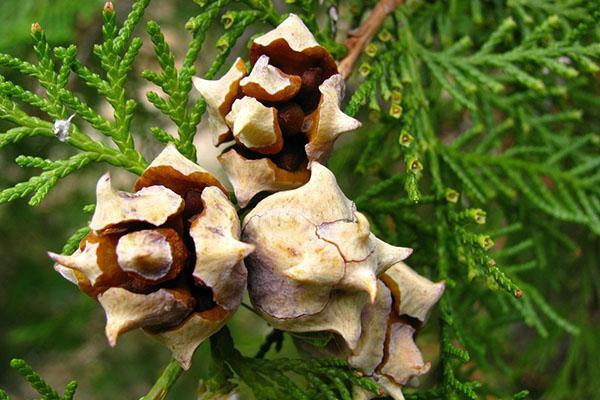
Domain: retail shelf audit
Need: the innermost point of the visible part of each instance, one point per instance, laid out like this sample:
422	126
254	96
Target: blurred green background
43	318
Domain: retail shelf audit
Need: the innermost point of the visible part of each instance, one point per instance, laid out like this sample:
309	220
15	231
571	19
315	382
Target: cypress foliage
481	152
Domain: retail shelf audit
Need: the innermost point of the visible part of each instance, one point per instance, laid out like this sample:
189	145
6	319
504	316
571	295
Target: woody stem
362	36
165	381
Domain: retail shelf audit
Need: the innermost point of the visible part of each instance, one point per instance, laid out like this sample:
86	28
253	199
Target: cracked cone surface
316	263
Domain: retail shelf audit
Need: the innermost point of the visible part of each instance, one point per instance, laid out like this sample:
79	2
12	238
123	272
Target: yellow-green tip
36	27
451	195
109	7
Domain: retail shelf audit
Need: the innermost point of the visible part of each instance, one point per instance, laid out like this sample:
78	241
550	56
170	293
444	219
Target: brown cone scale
139	262
289	72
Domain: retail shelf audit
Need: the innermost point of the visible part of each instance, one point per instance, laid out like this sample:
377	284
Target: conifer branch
271	379
116	62
361	37
38	383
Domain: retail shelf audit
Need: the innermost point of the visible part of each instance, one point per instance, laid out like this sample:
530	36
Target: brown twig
360	37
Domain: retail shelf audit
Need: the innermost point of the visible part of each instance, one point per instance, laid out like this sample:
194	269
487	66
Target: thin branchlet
38	383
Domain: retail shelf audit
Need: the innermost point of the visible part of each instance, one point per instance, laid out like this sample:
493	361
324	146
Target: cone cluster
171	257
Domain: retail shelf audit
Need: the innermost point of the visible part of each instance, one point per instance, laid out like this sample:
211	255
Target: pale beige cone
386	349
316	263
284	114
137	259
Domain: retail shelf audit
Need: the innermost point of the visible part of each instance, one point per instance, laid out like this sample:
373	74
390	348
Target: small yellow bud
109	7
227	20
36	27
405	139
451	195
396	111
415	166
396	96
478	215
371	50
384	36
365	69
485	242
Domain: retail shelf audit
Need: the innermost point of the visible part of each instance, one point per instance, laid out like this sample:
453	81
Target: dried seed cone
386	350
281	116
316	262
166	258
